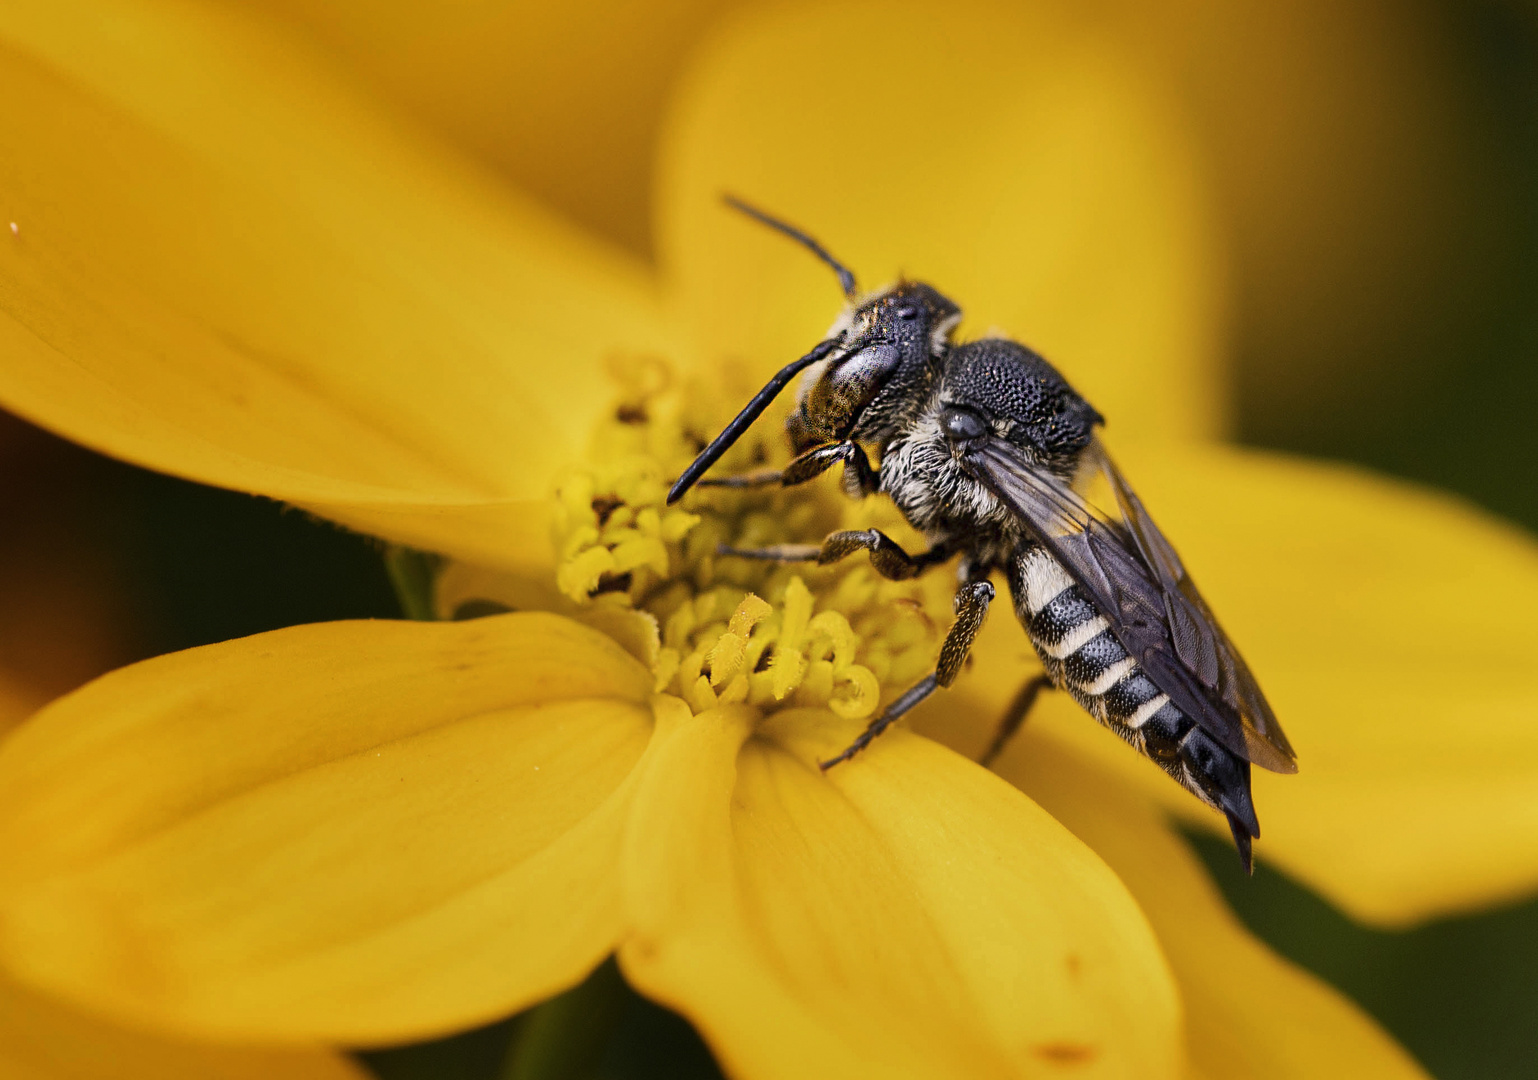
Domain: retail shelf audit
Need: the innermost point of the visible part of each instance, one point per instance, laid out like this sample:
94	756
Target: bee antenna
754	409
845	276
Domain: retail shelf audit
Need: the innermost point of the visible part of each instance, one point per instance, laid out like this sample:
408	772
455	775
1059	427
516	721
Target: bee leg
893	712
761	478
773	553
860	475
886	556
1014	716
860	478
972	601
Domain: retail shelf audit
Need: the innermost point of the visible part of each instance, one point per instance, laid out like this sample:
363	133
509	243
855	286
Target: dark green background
1437	382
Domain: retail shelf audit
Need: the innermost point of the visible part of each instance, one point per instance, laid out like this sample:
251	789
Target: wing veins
1146	593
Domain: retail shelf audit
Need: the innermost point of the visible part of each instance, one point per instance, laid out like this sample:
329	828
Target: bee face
887	346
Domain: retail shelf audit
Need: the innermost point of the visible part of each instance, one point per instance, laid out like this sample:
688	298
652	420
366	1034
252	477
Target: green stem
413	574
565	1038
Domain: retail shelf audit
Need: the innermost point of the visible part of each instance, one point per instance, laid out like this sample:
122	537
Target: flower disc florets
727	629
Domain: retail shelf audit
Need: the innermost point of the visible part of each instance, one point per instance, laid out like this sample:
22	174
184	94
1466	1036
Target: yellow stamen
726	657
787	667
733	629
580	575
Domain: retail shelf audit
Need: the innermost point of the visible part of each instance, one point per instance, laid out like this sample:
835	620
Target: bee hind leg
891	715
1014	717
972	601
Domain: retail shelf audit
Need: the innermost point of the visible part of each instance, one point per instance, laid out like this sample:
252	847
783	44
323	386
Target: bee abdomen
1082	655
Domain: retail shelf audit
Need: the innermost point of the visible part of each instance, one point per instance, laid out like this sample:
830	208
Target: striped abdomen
1082	656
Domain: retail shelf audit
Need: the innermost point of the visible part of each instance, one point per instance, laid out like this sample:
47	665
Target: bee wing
1199	640
1133	575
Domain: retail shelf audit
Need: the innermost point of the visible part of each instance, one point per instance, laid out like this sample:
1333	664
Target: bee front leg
808	466
972	601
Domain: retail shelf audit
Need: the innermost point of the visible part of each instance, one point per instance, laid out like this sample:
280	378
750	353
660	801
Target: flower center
727	628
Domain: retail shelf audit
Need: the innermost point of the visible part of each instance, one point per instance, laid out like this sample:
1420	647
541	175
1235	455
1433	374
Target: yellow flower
231	267
41	1039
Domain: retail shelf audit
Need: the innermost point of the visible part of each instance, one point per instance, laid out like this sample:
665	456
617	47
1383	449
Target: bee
990	453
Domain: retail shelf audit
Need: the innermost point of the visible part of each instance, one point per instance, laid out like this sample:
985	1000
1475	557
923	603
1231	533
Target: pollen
717	627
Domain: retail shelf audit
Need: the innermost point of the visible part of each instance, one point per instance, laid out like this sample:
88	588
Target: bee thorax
921	474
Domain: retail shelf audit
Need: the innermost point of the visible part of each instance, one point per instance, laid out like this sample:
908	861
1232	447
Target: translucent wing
1133	575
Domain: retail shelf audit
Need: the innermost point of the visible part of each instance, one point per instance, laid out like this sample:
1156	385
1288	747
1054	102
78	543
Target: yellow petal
1390	628
348	831
18	699
498	78
509	536
41	1039
907	915
229	265
1028	170
1249	1013
460	583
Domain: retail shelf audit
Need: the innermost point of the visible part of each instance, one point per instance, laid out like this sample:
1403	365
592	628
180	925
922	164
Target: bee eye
908	311
962	424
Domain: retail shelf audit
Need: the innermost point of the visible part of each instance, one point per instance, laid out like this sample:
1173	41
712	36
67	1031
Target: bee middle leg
887	557
972	601
1015	716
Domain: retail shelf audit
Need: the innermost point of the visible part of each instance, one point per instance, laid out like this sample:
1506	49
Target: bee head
859	381
888	344
1000	387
